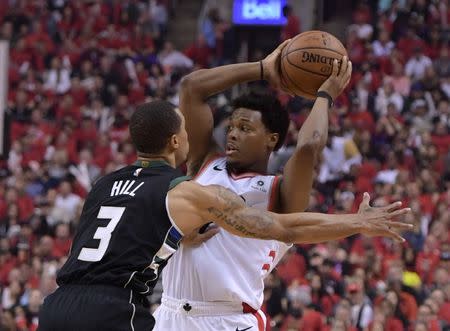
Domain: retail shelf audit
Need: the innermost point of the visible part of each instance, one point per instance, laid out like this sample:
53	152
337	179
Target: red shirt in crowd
292	267
292	27
310	321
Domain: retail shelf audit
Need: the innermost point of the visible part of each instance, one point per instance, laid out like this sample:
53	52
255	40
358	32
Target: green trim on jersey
178	180
150	164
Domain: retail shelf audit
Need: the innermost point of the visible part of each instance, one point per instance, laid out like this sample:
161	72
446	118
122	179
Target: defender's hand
272	68
196	238
339	79
378	221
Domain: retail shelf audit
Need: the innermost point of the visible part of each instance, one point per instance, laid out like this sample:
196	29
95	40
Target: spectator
417	64
171	58
199	52
387	96
361	309
66	203
442	63
342	317
58	77
20	109
209	27
301	315
62	242
339	154
292	27
384	45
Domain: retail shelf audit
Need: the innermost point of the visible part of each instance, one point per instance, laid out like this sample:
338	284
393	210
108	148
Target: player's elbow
281	229
313	145
191	83
287	236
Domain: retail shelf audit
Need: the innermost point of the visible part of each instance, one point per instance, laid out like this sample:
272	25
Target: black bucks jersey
125	235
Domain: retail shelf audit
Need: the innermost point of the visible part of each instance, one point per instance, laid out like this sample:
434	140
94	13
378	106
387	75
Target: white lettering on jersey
118	189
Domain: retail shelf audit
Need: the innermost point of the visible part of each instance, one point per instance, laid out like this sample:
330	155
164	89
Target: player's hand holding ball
271	68
314	61
339	79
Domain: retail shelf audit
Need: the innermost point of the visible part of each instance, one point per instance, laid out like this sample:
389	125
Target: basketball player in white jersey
219	284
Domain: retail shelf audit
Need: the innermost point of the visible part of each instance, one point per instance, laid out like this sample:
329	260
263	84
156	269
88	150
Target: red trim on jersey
245	175
206	164
247	309
266	266
273	193
261	326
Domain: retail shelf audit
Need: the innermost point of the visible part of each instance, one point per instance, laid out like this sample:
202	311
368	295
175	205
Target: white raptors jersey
227	267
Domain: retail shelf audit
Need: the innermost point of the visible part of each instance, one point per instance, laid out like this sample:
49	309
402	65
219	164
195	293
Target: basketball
306	61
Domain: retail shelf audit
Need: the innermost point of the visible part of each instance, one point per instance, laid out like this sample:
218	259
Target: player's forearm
314	132
298	172
229	211
316	227
207	82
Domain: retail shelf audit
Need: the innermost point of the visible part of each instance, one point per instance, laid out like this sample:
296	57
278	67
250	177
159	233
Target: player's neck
151	157
259	168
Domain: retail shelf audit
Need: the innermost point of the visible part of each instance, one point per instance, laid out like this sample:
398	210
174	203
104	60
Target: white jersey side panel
226	267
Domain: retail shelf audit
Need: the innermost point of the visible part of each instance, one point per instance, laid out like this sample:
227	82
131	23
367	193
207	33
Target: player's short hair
152	124
274	116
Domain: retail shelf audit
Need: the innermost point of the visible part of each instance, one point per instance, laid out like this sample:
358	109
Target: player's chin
234	162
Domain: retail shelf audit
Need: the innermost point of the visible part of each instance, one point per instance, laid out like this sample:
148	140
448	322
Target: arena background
77	68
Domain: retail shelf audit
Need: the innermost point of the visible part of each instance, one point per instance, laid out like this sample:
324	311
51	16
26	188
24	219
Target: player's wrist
326	95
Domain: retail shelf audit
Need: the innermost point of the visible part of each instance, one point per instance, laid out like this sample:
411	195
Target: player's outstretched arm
312	137
199	85
191	205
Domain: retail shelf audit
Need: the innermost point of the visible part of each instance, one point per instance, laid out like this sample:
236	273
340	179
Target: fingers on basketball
335	69
348	73
343	67
283	44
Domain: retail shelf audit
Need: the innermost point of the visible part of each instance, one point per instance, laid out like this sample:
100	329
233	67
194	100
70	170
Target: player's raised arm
298	172
198	86
191	205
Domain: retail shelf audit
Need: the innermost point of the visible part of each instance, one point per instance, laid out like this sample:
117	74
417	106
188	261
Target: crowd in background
77	69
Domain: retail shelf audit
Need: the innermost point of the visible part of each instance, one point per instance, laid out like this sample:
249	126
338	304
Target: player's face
248	141
182	152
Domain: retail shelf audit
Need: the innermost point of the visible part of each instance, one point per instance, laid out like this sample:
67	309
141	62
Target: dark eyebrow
241	119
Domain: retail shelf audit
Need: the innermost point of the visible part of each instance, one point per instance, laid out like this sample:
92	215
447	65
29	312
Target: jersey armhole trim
170	217
274	192
174	182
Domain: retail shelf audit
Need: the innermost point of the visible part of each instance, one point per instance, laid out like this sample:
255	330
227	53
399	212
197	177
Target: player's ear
272	140
174	142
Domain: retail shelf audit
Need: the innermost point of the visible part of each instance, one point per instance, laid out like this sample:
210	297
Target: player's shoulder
190	190
113	176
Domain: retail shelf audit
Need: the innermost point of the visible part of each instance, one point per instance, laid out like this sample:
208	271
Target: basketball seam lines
299	49
291	42
293	82
311	72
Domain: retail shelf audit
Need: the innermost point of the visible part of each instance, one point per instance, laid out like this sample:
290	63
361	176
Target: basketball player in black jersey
133	220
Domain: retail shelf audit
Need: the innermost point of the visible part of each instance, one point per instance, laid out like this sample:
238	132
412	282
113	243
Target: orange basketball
306	61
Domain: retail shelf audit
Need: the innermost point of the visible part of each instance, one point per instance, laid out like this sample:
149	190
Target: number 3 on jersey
103	233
